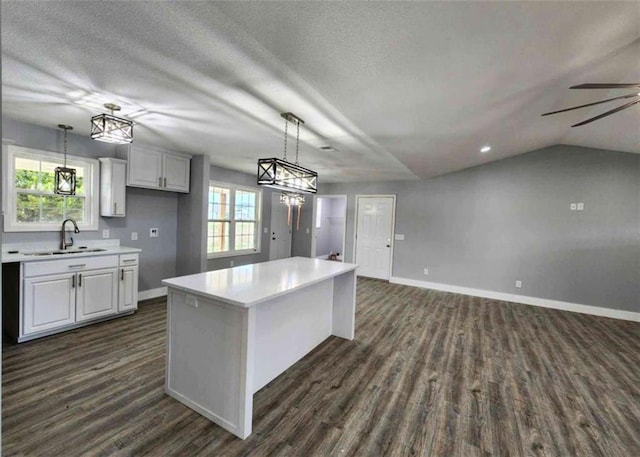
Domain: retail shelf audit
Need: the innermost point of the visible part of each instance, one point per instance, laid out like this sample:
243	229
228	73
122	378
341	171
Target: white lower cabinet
61	294
128	287
96	294
49	302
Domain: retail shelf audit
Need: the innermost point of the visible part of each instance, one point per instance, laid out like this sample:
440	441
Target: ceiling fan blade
605	86
608	113
591	104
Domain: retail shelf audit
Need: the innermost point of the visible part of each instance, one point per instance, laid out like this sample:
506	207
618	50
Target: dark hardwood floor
429	374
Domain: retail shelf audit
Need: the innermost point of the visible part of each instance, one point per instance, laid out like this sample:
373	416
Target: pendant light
286	176
64	178
111	129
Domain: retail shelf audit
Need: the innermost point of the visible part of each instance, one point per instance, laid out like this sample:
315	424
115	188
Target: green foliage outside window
36	201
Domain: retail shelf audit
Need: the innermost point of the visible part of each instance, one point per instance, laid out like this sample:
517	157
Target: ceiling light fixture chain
286	135
297	139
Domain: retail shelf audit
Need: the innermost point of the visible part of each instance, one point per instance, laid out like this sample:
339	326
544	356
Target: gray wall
145	208
301	237
509	220
234	177
192	214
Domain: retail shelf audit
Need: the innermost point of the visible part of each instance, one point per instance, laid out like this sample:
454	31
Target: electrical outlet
134	236
426	272
518	284
573	206
231	263
153	232
307	231
265	230
105	233
580	206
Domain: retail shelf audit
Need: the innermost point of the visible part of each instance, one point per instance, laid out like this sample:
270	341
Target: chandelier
64	178
111	129
286	176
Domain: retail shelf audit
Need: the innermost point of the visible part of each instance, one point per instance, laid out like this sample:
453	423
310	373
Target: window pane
74	208
51	209
245	235
27	173
218	237
219	203
47	176
28	208
245	209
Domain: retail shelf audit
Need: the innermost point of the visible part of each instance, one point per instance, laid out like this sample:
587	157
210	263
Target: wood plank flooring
429	374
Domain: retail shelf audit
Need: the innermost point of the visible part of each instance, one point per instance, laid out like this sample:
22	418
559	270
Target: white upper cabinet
113	176
156	169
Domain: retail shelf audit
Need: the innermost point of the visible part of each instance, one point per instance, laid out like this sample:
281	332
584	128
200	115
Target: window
234	220
30	203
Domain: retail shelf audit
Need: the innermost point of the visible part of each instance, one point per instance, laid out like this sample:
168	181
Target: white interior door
374	232
280	244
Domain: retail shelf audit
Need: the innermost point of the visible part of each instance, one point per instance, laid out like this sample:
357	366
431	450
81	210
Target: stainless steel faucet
63	234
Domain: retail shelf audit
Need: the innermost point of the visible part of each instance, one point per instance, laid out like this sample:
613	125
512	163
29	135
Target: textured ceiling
401	90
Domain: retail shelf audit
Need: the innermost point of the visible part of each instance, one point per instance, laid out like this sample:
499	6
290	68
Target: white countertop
248	285
23	254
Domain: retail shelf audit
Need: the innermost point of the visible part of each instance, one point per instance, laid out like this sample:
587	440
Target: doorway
329	227
280	239
375	220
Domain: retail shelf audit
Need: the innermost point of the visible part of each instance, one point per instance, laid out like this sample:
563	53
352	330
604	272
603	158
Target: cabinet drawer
128	259
69	265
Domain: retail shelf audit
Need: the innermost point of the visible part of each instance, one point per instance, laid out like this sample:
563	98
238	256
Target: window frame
9	203
232	252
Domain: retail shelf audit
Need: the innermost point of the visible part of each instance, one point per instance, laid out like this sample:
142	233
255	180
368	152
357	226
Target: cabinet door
48	302
96	294
113	177
118	189
176	172
128	289
145	168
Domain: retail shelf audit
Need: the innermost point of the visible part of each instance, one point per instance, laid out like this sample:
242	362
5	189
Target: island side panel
209	358
290	326
344	305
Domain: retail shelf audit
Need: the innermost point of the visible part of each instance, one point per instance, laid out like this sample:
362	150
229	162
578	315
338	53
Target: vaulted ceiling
400	90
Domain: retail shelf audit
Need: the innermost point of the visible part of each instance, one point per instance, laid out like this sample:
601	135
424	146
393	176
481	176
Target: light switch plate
134	236
573	206
153	232
519	284
580	207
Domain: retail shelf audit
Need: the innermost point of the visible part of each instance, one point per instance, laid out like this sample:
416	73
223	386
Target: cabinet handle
165	182
129	260
73	281
115	208
159	181
78	266
121	274
80	280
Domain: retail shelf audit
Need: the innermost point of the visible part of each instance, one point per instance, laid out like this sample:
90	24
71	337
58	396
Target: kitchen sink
60	252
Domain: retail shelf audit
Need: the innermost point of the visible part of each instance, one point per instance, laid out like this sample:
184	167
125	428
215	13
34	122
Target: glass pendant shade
286	176
111	129
291	199
65	181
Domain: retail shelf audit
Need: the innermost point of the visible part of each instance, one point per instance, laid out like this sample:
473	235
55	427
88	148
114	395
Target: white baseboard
526	300
152	293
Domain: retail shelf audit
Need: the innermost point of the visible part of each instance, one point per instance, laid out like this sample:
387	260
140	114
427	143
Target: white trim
91	198
232	221
393	226
523	299
152	293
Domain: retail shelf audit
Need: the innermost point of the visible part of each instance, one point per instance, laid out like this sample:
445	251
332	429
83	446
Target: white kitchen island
230	332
